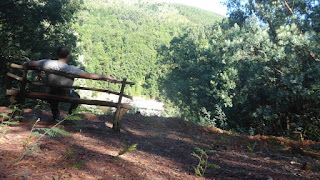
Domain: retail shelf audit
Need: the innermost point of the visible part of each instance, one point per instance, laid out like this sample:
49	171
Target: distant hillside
193	14
123	38
197	15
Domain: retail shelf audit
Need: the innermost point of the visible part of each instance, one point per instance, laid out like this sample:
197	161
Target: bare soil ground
163	152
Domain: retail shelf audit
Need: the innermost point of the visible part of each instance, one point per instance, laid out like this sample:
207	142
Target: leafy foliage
54	131
198	15
127	149
260	67
8	120
48	27
256	71
121	39
29	144
203	164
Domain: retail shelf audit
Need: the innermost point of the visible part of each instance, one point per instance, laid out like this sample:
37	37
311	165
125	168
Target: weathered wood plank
17	66
67	74
119	112
12	92
14	76
82	88
118	118
45	96
21	94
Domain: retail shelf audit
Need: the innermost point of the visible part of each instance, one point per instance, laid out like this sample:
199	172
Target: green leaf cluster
54	131
260	66
9	119
203	163
127	149
121	39
33	30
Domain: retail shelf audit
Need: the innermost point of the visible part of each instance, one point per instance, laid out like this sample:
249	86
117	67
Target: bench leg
118	118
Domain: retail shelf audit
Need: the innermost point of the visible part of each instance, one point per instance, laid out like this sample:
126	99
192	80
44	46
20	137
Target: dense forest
123	39
254	72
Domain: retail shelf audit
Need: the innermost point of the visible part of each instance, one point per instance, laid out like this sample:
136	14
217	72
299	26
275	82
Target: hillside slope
163	151
124	38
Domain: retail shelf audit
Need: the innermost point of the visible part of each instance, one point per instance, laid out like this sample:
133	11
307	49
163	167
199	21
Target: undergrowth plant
127	149
30	145
11	120
203	163
251	147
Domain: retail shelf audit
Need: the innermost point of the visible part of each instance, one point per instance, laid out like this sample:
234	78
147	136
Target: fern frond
196	155
36	133
60	131
197	171
34	147
201	151
214	166
4	115
10	122
210	151
73	118
203	161
128	149
54	131
18	117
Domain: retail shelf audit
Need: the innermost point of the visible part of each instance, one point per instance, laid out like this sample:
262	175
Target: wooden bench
19	95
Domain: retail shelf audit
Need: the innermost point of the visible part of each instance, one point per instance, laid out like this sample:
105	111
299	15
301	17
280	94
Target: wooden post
22	95
120	110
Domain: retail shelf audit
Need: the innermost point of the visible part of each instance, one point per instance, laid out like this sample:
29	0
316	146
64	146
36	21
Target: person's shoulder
49	64
75	69
46	60
43	61
74	66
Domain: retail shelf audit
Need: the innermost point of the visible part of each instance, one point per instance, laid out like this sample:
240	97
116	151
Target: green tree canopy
32	30
261	66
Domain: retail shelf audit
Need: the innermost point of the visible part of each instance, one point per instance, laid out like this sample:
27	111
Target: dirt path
163	151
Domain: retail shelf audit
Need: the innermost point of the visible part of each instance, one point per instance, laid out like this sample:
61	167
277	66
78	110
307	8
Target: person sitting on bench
63	54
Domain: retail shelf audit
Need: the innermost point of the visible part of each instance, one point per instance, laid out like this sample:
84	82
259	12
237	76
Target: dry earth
163	151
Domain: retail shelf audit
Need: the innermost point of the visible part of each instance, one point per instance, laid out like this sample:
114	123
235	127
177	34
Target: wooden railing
23	93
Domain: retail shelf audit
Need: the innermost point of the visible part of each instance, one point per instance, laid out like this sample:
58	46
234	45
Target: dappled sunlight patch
211	129
108	124
138	132
28	162
154	164
94	144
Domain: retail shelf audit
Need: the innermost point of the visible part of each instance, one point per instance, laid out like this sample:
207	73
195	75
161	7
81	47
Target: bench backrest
24	81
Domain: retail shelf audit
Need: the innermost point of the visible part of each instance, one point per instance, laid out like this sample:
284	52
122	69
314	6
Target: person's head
63	52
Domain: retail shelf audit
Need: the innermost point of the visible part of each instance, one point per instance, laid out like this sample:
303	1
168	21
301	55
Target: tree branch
284	3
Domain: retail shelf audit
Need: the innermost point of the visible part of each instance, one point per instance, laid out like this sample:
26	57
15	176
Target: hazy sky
210	5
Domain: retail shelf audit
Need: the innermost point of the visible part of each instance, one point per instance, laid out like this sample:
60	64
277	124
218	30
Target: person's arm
32	64
35	65
96	76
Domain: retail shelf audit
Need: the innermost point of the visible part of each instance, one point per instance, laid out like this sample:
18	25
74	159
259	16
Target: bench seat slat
83	88
44	96
14	76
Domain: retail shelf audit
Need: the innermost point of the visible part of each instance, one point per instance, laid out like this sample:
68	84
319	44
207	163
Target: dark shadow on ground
172	139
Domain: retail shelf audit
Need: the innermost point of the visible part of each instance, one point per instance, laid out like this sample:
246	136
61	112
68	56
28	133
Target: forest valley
242	93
